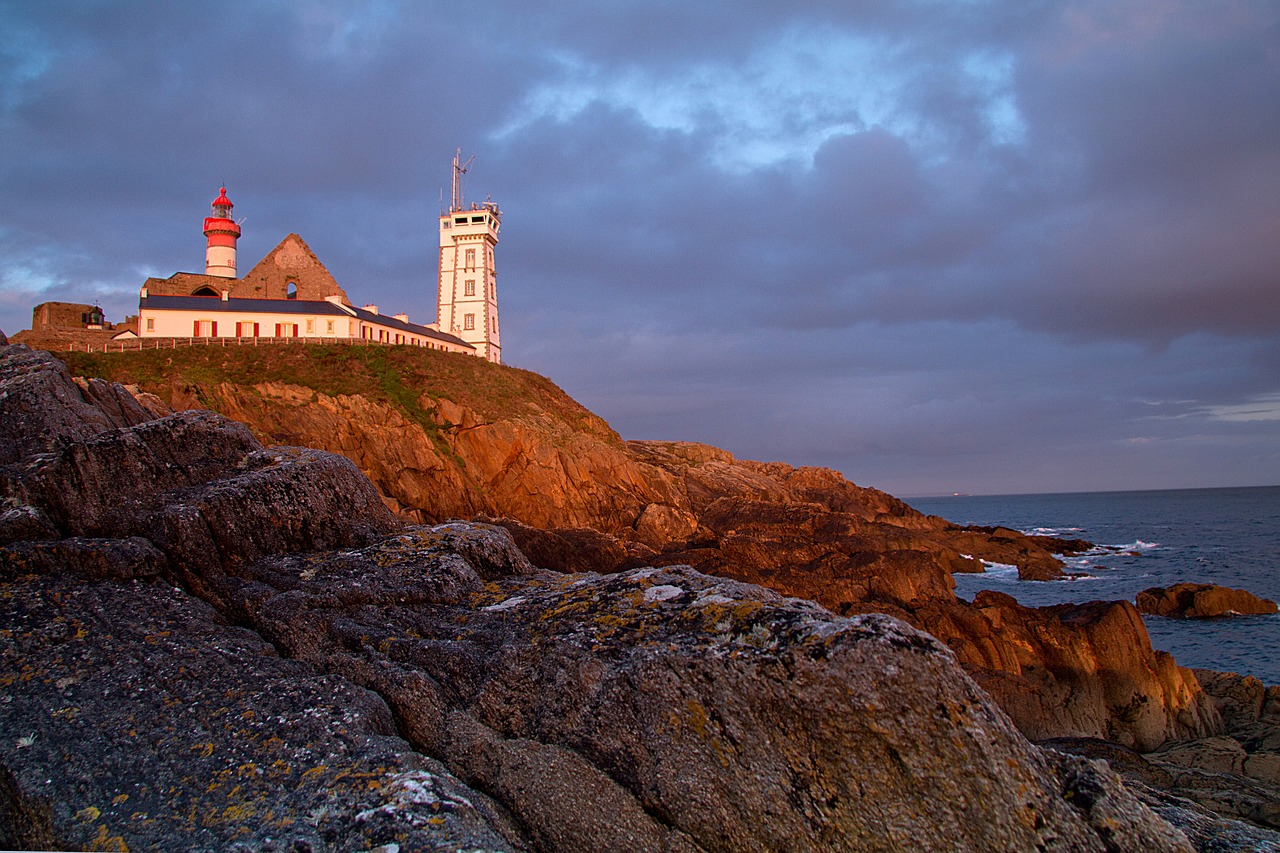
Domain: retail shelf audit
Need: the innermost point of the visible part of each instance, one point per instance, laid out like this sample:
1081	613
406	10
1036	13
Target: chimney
225	295
403	318
372	309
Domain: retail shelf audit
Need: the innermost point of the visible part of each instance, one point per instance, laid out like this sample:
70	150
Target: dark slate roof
265	306
413	328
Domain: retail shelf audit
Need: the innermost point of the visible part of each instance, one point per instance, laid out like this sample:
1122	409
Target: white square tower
468	297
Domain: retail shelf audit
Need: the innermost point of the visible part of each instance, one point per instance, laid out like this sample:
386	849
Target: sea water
1229	537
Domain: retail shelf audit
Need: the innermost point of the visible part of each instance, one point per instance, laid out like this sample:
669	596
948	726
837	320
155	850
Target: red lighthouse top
221	221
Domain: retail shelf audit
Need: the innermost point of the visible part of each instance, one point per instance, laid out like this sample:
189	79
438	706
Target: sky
939	245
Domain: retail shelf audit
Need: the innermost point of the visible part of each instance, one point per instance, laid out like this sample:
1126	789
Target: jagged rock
1201	601
659	526
1120	819
1079	670
91	559
44	407
656	709
116	400
281	500
488	549
1240	699
134	719
150	402
84	487
20	522
1210	808
576	549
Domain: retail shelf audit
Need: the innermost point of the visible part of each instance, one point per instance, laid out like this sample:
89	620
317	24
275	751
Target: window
468	321
461	220
291	290
311	327
477	219
471	257
329	327
151	324
469	287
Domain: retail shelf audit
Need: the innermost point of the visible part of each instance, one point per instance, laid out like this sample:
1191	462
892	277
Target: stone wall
290	262
59	315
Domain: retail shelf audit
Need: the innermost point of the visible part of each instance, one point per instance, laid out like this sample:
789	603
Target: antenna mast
458	172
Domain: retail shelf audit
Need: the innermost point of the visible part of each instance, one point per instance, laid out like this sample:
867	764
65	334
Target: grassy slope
400	376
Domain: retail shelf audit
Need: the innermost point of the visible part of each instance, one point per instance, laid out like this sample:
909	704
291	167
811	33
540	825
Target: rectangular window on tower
468	321
469	287
471	257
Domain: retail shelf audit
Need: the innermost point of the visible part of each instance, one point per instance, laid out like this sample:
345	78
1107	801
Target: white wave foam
1000	570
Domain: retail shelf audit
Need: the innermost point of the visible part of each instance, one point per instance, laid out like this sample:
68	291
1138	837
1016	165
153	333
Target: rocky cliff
445	437
205	644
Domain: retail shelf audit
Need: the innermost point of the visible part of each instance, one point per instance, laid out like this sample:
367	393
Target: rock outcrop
1202	601
482	441
1197	783
252	653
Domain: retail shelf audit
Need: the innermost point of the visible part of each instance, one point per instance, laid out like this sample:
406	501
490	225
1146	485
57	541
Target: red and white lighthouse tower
222	231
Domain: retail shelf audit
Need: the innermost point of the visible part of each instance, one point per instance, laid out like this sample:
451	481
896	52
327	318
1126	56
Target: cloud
941	246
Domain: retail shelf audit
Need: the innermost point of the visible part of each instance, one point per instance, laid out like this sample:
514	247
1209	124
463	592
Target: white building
231	317
290	294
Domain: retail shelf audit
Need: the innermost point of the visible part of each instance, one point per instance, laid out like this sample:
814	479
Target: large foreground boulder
135	719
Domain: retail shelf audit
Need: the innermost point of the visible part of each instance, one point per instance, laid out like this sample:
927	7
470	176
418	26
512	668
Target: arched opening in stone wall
205	290
291	290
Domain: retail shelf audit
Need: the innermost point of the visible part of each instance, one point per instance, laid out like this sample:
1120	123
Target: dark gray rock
132	716
106	484
665	709
1217	809
114	399
44	408
20	522
90	559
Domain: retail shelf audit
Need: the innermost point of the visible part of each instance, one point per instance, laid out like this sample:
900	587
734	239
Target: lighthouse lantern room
222	233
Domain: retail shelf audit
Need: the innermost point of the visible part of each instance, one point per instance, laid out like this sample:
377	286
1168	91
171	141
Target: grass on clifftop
398	375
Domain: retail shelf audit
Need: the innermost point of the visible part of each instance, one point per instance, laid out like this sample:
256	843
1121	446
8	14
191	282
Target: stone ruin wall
292	261
58	315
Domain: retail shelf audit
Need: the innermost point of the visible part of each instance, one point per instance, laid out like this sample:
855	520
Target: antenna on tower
458	172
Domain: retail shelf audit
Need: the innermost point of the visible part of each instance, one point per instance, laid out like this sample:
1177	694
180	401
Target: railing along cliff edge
139	344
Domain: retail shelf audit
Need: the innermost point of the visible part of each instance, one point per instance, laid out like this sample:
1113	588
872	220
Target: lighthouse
222	232
467	304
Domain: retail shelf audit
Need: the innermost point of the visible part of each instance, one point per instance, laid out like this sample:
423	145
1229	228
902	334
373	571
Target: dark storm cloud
981	246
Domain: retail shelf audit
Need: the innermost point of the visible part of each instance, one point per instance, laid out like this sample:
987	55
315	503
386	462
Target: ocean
1229	537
